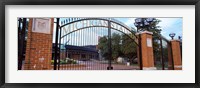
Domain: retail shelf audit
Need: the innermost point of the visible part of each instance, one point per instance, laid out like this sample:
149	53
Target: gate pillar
39	44
170	63
176	54
147	50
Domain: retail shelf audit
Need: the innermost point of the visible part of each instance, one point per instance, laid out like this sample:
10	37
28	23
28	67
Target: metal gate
163	59
22	32
94	45
99	44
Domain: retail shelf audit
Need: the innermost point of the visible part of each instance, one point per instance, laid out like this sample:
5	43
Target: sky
168	25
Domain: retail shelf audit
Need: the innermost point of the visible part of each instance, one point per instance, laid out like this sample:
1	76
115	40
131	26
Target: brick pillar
147	51
176	53
39	44
169	57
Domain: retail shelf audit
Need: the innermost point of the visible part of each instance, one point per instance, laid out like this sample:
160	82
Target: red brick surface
39	45
147	52
176	53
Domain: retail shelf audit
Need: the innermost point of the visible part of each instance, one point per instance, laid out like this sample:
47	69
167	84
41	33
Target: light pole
172	36
142	24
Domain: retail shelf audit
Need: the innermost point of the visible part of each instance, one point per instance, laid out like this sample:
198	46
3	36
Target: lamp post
172	35
142	24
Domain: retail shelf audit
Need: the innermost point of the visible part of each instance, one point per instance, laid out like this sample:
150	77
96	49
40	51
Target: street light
142	23
172	35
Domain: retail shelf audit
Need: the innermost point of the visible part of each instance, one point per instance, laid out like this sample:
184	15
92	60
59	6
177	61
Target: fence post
147	55
56	43
109	46
176	54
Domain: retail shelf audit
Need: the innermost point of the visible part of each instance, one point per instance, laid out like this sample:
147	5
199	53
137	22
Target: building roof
88	48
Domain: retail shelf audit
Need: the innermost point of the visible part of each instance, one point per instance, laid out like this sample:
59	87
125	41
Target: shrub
74	62
66	61
52	61
63	62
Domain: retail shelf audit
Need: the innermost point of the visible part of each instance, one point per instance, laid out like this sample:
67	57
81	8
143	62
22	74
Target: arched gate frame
59	29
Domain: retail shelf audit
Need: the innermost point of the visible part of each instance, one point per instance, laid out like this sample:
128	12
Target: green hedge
67	61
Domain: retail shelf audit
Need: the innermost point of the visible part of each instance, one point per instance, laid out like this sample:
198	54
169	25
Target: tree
153	27
122	46
103	46
156	39
129	48
116	38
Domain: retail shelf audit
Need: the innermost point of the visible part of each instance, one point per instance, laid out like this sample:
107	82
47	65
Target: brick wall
176	53
169	57
39	49
147	52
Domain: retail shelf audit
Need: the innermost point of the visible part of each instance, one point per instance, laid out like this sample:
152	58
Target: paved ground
96	65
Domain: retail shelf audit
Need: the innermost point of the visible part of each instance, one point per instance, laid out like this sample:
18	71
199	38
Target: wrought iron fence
91	48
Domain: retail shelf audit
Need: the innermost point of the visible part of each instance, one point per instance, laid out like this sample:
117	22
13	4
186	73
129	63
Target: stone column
39	44
176	54
147	50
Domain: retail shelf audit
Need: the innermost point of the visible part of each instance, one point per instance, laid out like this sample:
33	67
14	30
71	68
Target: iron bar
21	43
23	36
60	52
56	43
118	23
101	26
63	49
140	52
109	47
172	56
161	50
180	42
93	41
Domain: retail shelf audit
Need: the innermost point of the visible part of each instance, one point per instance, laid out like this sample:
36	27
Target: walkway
96	65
